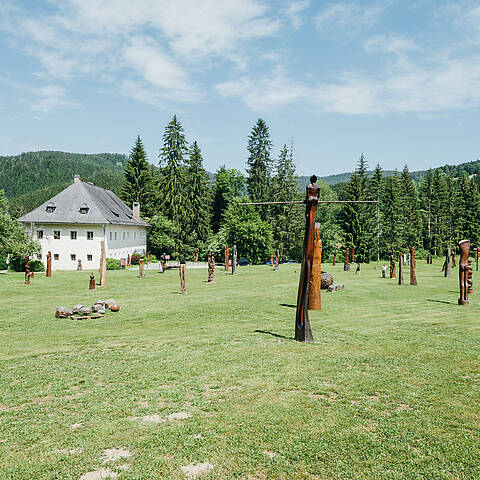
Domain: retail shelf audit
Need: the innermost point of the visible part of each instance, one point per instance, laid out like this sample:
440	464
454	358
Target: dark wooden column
303	331
463	271
413	264
234	260
277	259
49	264
400	269
314	295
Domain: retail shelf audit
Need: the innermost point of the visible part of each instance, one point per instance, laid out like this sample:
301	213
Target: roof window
50	208
84	209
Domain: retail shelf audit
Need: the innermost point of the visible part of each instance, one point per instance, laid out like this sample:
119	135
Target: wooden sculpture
463	271
211	268
195	255
400	269
27	271
129	260
303	331
182	270
476	258
277	259
103	265
79	266
470	277
91	285
163	262
271	259
392	267
334	258
226	258
454	261
141	268
446	264
314	294
49	264
346	265
413	264
234	260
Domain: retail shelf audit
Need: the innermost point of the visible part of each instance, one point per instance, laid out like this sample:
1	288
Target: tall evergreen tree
259	162
137	184
409	214
198	193
376	191
390	208
426	194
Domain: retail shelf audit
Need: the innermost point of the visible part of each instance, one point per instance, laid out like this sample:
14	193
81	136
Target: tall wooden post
334	259
470	277
476	258
446	272
454	261
303	331
141	268
128	260
211	268
314	295
463	271
91	285
392	266
103	265
226	258
413	264
27	271
271	259
182	270
49	264
234	260
346	265
400	269
277	259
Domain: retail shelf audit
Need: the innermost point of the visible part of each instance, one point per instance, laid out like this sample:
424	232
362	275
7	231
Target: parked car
243	262
290	261
268	262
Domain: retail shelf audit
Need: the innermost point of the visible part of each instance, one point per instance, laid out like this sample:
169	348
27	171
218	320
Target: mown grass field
390	390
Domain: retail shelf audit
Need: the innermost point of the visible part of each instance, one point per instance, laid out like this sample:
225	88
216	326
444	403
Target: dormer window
84	210
50	208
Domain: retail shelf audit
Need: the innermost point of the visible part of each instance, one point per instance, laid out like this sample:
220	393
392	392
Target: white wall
135	241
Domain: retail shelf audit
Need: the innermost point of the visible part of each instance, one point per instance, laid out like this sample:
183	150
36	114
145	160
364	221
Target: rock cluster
335	287
80	310
327	280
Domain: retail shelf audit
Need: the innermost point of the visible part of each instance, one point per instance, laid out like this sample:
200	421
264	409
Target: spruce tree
137	183
376	191
426	193
409	214
259	162
390	208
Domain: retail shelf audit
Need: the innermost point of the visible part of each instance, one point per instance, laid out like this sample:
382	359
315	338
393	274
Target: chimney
136	210
76	178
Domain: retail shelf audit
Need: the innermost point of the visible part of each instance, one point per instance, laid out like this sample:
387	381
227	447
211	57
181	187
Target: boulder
335	287
85	311
98	308
110	302
77	308
62	312
115	308
327	280
100	302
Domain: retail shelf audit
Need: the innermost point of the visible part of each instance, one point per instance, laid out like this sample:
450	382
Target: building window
128	235
39	234
89	258
73	257
111	236
115	235
56	256
56	234
89	235
73	235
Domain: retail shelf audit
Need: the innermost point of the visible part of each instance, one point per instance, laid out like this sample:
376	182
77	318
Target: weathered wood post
314	295
79	266
413	264
303	331
346	265
271	260
141	268
182	271
48	273
400	269
27	271
463	271
226	258
392	265
446	272
234	260
454	261
211	268
128	260
277	259
163	262
103	265
91	285
334	259
195	255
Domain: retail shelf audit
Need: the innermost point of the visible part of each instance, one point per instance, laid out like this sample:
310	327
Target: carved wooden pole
49	264
400	269
27	271
447	263
277	259
211	268
413	264
128	260
303	331
392	266
470	277
79	266
314	295
163	262
91	285
476	258
195	255
182	270
271	259
226	258
141	268
346	265
234	260
334	258
463	271
103	265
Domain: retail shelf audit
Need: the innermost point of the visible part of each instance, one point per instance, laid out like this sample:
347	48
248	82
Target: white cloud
390	44
348	15
294	12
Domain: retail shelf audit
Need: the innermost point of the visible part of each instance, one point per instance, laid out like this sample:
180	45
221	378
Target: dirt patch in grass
194	470
99	474
114	454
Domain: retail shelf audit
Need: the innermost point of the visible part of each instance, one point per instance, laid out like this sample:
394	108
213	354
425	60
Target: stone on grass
327	280
110	302
85	311
100	302
179	416
62	312
99	475
77	308
194	469
74	426
150	419
114	308
98	308
335	287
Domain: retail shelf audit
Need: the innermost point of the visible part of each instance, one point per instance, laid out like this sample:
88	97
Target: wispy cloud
390	44
294	12
342	16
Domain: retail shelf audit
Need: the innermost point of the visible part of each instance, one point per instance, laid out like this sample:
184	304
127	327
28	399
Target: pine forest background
188	207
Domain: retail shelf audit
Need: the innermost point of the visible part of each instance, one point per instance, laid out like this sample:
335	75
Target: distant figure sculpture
463	271
353	254
413	264
128	260
234	260
27	271
211	268
182	270
141	268
79	266
195	255
226	258
91	285
454	261
334	258
470	277
392	267
346	265
277	259
49	264
357	271
163	262
400	269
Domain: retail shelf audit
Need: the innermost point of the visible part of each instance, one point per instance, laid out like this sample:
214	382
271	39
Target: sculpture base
346	267
463	302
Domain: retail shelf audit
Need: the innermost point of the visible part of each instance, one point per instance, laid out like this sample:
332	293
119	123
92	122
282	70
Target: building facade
72	225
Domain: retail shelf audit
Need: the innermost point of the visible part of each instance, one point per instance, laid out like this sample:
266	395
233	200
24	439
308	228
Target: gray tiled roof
103	207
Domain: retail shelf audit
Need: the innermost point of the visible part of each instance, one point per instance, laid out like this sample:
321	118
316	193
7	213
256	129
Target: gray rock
335	287
98	308
62	312
85	311
77	308
100	302
327	280
110	302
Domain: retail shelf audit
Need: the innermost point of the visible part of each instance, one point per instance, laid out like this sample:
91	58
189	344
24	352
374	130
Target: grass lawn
390	390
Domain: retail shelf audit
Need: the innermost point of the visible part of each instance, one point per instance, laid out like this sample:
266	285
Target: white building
72	224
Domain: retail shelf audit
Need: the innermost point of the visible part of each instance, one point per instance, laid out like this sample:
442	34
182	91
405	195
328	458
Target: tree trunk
277	260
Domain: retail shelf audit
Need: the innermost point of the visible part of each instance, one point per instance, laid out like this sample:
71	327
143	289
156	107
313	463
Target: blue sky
396	80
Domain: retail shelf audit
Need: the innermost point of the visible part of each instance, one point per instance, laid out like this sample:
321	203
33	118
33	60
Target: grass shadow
441	301
274	334
288	305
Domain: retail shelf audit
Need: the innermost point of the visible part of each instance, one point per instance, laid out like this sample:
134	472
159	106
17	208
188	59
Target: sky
396	80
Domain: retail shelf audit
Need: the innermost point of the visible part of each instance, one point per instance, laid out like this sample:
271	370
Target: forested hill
31	178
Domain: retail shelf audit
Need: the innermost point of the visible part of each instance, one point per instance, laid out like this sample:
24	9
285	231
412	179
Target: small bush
3	264
113	264
17	264
37	266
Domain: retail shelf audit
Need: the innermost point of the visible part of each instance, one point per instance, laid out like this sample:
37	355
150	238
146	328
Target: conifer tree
259	162
390	208
409	214
376	191
137	183
426	193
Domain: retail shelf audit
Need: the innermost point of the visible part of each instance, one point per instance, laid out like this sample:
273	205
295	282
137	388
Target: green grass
390	390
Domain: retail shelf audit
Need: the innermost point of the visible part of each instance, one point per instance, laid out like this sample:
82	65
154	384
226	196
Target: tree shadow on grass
441	301
274	334
288	305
